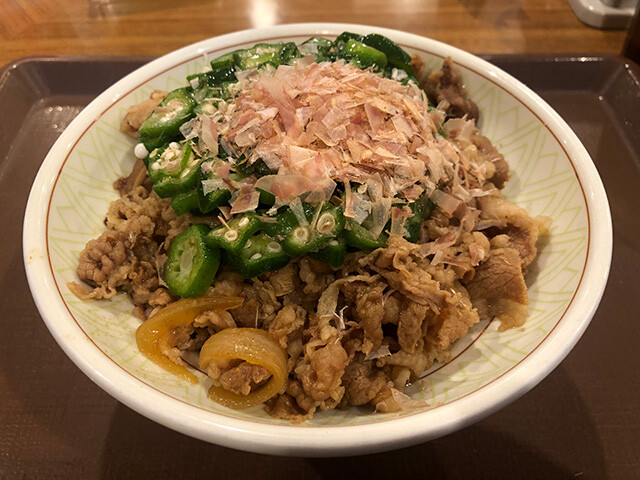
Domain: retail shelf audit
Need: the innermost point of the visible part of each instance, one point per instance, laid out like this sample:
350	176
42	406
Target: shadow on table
534	438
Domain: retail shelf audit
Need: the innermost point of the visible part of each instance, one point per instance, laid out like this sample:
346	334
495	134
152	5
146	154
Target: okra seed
326	223
274	247
231	235
256	256
334	243
174	106
243	223
301	234
171	152
248	245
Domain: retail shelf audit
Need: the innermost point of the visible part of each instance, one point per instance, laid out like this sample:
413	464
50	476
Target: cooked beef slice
500	277
244	377
445	86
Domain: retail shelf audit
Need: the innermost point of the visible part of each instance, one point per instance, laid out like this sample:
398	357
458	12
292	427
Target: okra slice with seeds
333	252
325	224
166	161
288	53
320	47
233	235
260	254
258	55
209	106
191	264
175	175
164	122
209	200
286	221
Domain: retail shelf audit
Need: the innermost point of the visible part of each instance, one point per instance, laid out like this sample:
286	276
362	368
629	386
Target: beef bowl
380	265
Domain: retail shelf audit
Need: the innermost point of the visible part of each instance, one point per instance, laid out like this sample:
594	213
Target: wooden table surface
155	27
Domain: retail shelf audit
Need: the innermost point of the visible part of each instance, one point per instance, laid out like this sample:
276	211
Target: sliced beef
139	213
410	326
186	337
105	262
137	114
316	276
523	240
323	376
417	362
246	315
139	176
109	263
392	307
515	222
452	324
488	152
284	406
243	378
403	266
289	319
217	320
500	277
446	86
304	401
285	280
125	257
160	297
370	312
417	63
362	383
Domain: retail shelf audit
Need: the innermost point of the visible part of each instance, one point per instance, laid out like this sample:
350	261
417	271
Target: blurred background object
631	47
605	13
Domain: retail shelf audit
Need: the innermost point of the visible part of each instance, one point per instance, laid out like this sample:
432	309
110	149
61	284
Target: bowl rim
316	440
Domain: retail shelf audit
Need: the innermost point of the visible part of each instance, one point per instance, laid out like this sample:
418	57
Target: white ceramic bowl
552	175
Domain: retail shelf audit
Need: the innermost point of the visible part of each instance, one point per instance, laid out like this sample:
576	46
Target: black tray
582	421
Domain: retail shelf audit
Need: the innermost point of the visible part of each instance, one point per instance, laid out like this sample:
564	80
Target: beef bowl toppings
312	226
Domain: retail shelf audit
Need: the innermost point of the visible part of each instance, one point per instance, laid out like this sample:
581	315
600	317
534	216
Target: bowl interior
544	181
